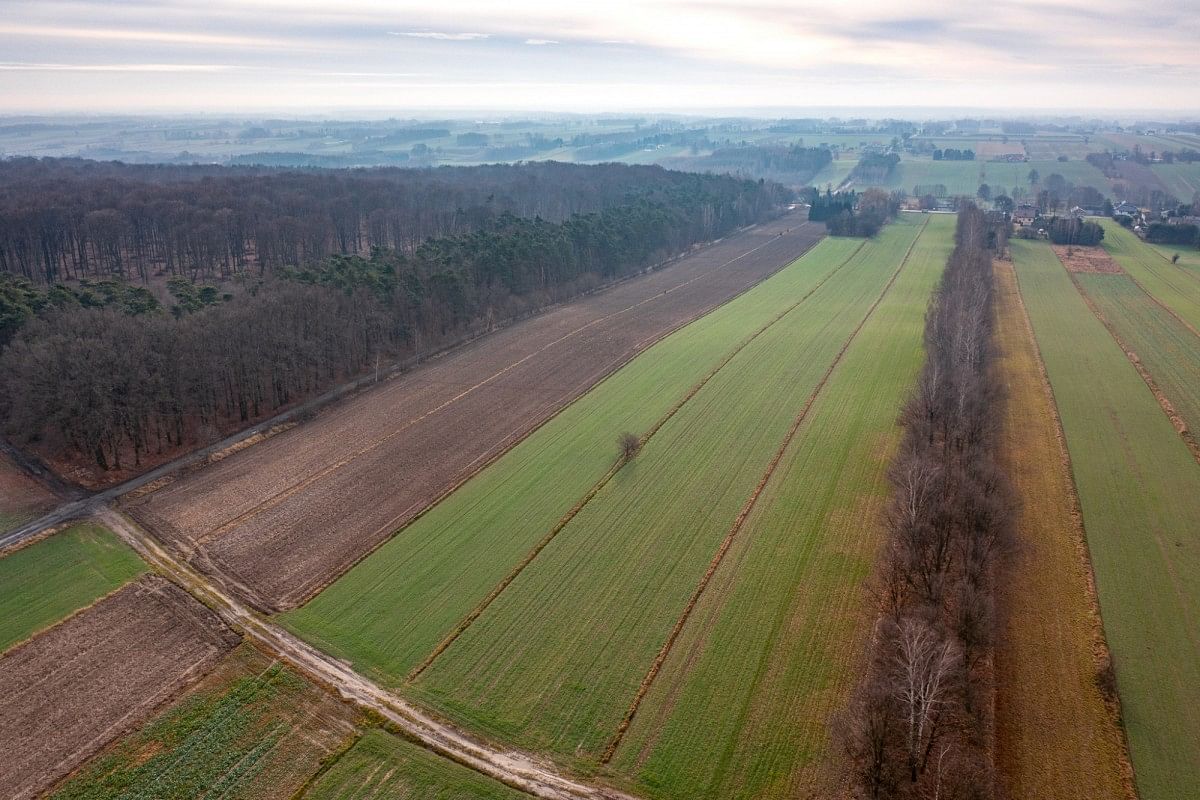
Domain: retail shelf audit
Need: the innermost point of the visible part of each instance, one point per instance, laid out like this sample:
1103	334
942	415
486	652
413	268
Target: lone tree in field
629	445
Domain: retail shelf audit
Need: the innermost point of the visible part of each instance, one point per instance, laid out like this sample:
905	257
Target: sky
396	56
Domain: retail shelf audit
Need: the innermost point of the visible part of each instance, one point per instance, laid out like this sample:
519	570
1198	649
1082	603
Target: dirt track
277	522
74	688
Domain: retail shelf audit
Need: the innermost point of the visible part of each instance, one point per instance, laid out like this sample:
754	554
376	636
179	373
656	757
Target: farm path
513	768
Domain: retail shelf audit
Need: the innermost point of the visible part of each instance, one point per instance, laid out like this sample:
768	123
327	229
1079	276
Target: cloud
441	35
23	66
540	41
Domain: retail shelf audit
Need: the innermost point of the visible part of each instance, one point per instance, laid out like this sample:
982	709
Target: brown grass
1055	735
1087	259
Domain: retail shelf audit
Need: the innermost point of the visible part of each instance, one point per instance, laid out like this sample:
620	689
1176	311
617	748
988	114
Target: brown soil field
1087	259
1055	736
21	497
74	688
277	522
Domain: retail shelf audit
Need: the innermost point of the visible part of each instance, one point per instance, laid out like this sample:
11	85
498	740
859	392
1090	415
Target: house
1078	213
1126	208
1185	221
1025	214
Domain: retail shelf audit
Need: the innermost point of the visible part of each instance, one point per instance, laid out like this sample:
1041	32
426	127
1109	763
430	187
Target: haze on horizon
667	55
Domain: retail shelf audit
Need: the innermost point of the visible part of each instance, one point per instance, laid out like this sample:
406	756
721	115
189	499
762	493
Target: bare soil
1094	260
21	497
73	689
277	522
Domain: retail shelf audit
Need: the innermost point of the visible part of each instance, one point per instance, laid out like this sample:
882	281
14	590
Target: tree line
110	385
953	154
918	723
853	214
69	219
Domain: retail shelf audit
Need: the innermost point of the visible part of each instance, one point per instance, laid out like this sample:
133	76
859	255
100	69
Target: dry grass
1055	736
1093	260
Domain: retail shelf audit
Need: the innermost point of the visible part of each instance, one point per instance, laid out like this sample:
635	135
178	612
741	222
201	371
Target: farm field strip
1165	353
42	584
265	556
251	729
555	660
742	704
1055	737
382	765
964	177
389	612
746	510
604	479
72	689
1176	289
1182	180
1139	493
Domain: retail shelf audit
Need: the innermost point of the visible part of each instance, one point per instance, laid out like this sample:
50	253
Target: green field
835	173
44	583
1139	490
526	670
1166	348
251	730
382	765
392	609
1181	180
1175	286
964	177
742	706
555	660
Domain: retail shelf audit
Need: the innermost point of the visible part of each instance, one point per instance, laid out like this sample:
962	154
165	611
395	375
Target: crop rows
1138	489
742	707
1176	287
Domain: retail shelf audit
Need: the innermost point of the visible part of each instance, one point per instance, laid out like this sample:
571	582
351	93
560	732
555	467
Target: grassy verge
1055	737
383	765
1139	491
743	704
44	583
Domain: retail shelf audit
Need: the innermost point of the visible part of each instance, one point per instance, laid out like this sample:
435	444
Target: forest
67	219
98	370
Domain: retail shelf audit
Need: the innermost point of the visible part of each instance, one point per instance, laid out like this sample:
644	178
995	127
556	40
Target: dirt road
511	767
277	522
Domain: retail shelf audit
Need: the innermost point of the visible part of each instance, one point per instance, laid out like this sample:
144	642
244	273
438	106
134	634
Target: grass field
835	173
964	177
1166	348
252	730
1139	491
391	610
555	660
743	703
1181	180
46	582
645	541
1055	738
382	765
1177	287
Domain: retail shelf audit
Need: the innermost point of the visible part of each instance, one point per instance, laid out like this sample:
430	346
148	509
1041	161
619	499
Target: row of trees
67	219
853	214
875	167
953	154
918	724
111	387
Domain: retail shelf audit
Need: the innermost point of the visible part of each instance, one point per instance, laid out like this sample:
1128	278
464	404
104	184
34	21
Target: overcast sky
305	56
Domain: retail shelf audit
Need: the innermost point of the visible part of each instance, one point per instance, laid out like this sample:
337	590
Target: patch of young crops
382	765
556	660
1174	286
742	705
1139	491
44	583
391	610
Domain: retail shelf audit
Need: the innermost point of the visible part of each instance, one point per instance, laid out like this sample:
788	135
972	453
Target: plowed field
280	520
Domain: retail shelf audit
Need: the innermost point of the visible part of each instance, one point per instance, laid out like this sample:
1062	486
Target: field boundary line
397	527
1100	651
279	497
1177	422
612	471
744	514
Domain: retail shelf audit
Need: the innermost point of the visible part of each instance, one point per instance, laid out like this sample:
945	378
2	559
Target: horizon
664	56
